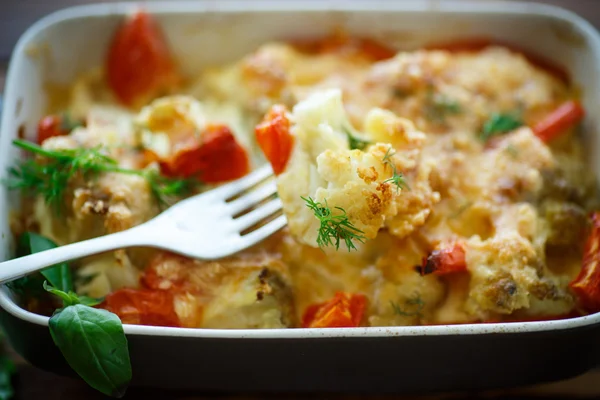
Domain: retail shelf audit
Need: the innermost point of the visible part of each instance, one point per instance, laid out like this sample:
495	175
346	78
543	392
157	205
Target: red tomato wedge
586	286
274	138
480	43
50	126
344	310
139	64
142	307
445	261
217	157
564	117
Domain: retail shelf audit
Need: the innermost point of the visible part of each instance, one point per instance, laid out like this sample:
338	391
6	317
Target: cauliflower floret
170	122
507	275
414	206
106	126
512	169
102	274
385	127
323	167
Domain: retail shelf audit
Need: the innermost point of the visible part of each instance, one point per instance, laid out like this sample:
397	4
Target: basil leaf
498	124
7	369
68	299
58	275
90	301
94	344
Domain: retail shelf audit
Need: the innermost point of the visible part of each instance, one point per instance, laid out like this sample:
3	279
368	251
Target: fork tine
255	216
265	231
244	183
252	198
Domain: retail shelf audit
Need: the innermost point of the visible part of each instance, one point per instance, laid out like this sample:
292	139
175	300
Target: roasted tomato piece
586	286
217	157
562	118
344	310
274	138
139	64
142	307
448	260
51	126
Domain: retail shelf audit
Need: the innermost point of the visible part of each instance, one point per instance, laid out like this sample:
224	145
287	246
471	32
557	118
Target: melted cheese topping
503	199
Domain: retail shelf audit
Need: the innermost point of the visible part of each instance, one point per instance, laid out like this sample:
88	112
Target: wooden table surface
32	383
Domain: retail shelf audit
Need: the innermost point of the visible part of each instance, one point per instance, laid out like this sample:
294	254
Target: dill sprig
397	178
50	175
334	228
414	307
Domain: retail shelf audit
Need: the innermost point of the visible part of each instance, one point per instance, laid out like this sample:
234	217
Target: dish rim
424	7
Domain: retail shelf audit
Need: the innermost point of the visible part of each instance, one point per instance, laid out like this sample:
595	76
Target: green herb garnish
413	307
58	275
49	177
396	178
31	285
500	123
92	341
354	141
334	228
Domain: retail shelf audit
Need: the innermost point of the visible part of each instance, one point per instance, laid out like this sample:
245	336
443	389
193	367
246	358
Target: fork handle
18	267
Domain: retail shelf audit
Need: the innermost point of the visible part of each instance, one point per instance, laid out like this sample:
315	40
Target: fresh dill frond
334	228
50	174
413	307
165	189
49	177
354	141
396	178
500	123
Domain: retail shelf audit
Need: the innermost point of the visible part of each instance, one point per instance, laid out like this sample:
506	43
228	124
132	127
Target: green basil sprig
500	123
58	275
92	341
31	285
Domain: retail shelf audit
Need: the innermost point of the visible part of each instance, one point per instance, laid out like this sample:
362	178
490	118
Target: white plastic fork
206	226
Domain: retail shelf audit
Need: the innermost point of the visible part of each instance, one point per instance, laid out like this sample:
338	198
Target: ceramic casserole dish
421	359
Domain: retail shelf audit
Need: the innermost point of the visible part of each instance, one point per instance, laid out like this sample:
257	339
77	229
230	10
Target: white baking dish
391	359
